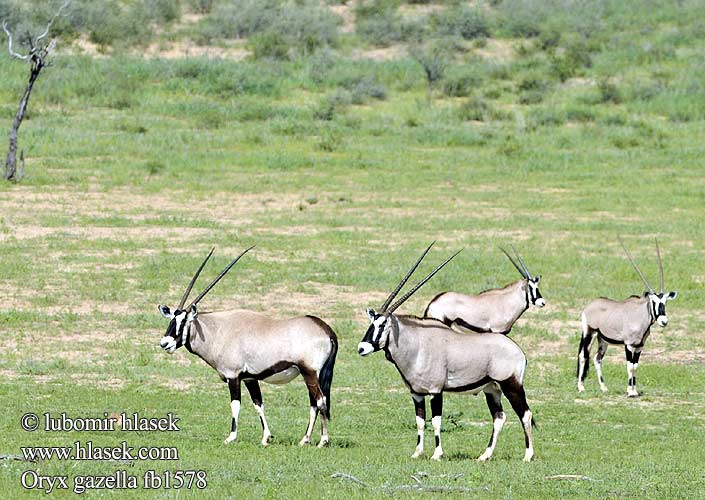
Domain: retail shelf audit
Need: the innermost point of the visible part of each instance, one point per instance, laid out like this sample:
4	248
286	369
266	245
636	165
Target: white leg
266	435
313	412
526	420
420	423
438	452
498	423
235	407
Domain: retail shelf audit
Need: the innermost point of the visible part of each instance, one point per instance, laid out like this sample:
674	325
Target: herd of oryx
459	345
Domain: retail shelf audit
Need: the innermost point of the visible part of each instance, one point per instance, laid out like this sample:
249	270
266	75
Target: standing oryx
246	346
492	310
431	359
625	322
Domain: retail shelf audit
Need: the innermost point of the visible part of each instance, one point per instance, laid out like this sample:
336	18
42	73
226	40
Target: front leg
633	354
256	395
420	406
436	414
234	386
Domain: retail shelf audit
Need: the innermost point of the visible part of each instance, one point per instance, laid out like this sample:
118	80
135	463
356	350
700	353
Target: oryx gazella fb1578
494	310
625	322
433	359
246	346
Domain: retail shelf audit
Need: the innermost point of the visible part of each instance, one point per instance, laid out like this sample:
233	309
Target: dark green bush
474	109
268	44
461	81
463	21
609	92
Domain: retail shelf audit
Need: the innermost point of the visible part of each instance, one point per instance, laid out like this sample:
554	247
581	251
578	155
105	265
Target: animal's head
532	282
182	317
657	300
377	336
179	320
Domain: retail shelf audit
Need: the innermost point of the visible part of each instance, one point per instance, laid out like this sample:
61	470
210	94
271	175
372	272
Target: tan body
433	358
493	311
625	321
246	344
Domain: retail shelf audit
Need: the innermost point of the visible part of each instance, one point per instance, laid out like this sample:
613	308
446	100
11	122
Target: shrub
460	81
463	21
382	30
609	92
268	44
332	104
366	88
473	109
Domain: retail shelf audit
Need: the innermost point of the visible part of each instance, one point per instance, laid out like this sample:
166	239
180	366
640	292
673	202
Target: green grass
135	168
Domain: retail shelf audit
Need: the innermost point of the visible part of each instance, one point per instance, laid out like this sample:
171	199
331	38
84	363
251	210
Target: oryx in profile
432	359
494	310
246	346
625	322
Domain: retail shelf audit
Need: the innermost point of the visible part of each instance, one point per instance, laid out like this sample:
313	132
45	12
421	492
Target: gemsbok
433	359
493	310
625	322
246	346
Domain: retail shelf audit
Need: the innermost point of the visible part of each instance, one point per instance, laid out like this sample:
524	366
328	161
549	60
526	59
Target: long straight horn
405	279
215	281
513	262
636	267
660	264
528	274
421	283
193	280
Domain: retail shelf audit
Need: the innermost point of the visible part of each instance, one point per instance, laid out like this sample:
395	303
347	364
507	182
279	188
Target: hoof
324	443
266	440
581	388
417	454
437	457
604	388
232	437
484	457
304	441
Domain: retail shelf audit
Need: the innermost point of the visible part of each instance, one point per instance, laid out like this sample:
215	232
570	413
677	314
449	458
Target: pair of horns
387	308
525	271
636	267
213	283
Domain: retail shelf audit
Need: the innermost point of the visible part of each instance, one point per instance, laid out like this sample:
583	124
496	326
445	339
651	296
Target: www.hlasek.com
121	453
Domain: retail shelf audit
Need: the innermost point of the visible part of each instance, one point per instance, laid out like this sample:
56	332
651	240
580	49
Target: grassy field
341	171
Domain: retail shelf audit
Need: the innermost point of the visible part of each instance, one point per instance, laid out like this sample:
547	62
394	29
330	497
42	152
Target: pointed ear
671	295
537	279
166	312
192	313
371	313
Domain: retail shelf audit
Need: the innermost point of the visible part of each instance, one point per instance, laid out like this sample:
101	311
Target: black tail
583	345
325	377
533	423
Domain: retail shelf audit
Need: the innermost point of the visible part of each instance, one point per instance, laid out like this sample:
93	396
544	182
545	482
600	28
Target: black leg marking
494	403
255	395
235	395
514	391
437	412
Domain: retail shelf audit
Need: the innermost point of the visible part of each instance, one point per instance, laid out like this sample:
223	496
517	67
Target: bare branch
51	21
9	43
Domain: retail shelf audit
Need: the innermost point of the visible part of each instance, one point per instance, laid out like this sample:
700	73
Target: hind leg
601	350
256	395
514	391
436	416
584	353
316	405
494	403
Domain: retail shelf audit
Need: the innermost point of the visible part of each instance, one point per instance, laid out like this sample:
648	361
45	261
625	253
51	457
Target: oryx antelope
494	310
433	359
625	322
246	346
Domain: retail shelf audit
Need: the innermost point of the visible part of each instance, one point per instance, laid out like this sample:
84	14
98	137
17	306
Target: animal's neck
520	296
402	346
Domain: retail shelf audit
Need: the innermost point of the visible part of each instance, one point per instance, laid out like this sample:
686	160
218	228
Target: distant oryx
492	310
432	358
625	322
246	346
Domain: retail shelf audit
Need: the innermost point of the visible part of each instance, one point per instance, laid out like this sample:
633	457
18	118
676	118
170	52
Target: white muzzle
364	348
168	344
662	320
540	302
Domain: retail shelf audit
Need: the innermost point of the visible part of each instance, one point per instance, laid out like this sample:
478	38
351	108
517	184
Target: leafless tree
39	49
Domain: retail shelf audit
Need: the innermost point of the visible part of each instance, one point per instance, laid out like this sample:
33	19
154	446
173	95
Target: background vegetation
341	139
